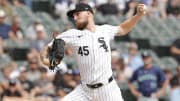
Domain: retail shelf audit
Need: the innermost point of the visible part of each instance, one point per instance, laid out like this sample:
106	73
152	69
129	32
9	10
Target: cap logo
86	8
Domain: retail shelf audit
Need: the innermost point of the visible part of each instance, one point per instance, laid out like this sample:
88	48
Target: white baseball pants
108	92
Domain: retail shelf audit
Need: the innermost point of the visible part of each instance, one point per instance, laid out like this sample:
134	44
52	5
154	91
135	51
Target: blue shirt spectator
175	89
134	60
40	40
174	95
4	28
148	79
28	3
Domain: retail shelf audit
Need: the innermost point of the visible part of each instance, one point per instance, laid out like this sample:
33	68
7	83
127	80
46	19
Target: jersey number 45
83	51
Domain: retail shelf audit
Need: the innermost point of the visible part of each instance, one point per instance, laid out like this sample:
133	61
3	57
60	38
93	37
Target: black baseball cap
80	7
145	54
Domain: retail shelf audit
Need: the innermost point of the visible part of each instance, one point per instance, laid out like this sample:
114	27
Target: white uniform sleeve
111	30
64	36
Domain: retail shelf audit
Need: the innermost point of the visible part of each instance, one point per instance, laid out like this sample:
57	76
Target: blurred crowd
158	8
32	81
35	82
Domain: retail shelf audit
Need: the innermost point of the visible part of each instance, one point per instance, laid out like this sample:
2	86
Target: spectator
4	28
17	3
1	90
148	78
109	8
121	5
31	30
130	8
177	76
175	50
6	7
68	83
157	8
90	2
100	2
15	71
26	84
114	61
60	93
5	76
134	60
61	7
168	75
124	72
4	58
154	10
33	73
33	53
58	76
146	2
13	90
175	89
65	79
162	8
40	40
28	3
43	86
16	29
173	8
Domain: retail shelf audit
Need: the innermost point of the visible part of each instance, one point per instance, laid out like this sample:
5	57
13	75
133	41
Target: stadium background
31	24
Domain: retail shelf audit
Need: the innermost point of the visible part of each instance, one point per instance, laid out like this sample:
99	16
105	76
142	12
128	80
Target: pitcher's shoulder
70	33
104	27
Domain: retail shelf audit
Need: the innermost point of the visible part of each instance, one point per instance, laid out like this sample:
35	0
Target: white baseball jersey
92	52
93	55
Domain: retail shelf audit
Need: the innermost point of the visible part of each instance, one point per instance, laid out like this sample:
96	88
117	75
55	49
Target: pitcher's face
81	19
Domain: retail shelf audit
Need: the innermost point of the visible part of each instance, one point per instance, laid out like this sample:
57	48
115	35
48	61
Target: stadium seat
169	63
18	54
112	19
99	18
17	44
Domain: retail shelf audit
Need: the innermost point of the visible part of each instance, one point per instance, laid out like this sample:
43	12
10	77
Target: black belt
97	85
145	95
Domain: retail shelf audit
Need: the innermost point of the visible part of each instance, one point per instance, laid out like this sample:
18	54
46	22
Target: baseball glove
56	53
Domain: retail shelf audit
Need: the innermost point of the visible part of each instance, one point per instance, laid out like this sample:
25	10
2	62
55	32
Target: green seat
99	18
112	19
4	60
169	63
17	44
21	63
